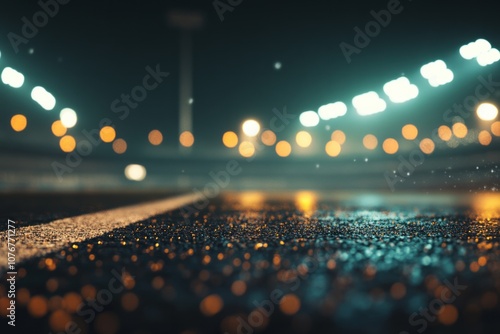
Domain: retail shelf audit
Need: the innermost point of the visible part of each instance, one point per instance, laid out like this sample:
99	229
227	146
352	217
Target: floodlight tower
187	22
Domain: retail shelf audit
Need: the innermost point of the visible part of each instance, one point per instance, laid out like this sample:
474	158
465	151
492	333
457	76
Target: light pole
187	22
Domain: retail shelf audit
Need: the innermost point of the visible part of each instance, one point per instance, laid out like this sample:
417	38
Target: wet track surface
274	267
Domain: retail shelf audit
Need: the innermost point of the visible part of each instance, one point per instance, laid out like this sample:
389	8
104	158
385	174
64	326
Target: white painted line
38	240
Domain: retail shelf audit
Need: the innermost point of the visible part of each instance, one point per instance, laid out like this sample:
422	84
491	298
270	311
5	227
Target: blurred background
109	94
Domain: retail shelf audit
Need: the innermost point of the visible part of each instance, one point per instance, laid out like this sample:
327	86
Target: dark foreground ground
249	264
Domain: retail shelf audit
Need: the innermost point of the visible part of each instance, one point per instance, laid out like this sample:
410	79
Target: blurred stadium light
474	49
437	73
480	50
332	110
251	128
45	99
12	77
369	103
135	172
400	90
487	111
489	57
309	119
68	117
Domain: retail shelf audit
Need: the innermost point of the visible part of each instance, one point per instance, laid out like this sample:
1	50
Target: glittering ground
252	265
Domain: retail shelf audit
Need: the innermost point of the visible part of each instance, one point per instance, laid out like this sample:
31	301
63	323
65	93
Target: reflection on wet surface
486	206
298	263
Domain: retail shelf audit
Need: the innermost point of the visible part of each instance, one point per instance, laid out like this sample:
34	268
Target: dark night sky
93	51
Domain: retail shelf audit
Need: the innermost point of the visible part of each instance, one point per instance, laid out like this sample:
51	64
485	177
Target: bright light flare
487	111
68	117
306	201
135	172
400	90
12	77
369	103
489	57
332	110
251	128
486	205
309	119
45	99
437	73
482	51
474	49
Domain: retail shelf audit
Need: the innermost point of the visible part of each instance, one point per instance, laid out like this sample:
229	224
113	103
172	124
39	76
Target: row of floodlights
402	90
482	51
40	95
399	91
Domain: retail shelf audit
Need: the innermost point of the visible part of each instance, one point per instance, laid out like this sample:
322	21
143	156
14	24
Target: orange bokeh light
338	136
186	139
444	133
18	122
67	144
107	134
409	131
370	142
283	149
155	137
268	138
460	130
427	146
119	146
333	148
390	146
58	129
230	139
